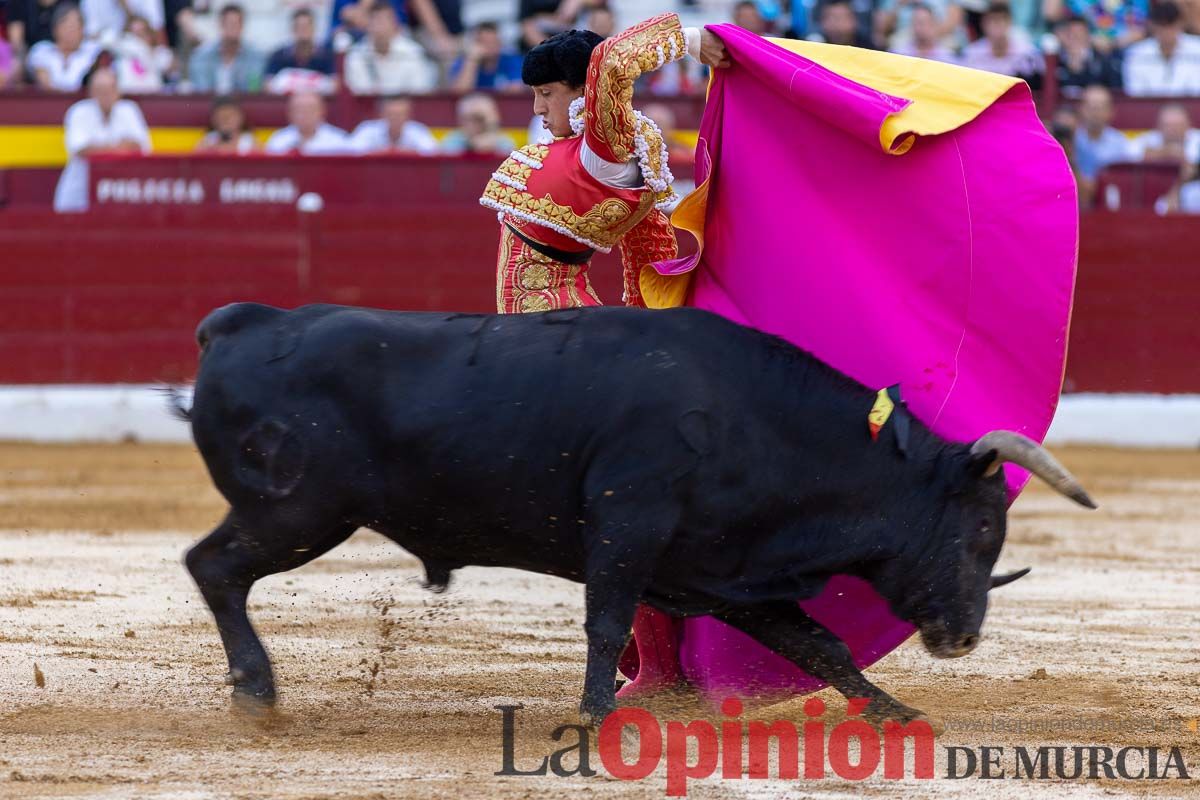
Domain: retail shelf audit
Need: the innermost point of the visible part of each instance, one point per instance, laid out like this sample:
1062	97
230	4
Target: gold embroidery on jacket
628	57
602	225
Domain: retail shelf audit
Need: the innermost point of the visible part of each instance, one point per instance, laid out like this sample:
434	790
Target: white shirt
1148	73
86	126
105	19
403	69
1189	198
140	67
66	75
1153	140
328	140
372	136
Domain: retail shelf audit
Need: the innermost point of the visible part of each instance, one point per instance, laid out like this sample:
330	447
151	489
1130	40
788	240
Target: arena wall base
139	412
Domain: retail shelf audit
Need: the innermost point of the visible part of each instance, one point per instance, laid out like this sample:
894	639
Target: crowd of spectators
1143	47
398	48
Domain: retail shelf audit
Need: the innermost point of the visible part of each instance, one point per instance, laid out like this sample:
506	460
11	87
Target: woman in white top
61	64
103	123
141	61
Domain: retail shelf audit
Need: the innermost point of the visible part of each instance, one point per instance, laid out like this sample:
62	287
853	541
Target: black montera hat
562	57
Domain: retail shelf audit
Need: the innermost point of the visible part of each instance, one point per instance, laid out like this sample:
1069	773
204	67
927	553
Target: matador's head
556	70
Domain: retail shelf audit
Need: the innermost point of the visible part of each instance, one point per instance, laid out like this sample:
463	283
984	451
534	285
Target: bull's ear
984	464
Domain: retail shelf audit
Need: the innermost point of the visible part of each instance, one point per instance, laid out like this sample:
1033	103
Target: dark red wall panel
115	296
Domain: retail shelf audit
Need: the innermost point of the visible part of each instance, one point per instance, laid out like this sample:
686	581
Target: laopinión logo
737	749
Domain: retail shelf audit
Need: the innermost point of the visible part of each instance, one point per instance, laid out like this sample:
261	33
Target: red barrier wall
114	296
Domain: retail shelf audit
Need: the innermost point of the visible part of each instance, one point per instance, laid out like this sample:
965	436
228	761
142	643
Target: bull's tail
178	402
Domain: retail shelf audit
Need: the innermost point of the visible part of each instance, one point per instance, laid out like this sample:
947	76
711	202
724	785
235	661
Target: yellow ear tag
880	412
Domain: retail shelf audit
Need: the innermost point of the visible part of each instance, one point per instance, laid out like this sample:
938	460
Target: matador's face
553	102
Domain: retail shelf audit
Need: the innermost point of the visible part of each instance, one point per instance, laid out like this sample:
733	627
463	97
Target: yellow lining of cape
944	97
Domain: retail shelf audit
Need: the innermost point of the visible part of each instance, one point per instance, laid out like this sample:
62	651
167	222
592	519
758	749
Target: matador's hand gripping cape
907	221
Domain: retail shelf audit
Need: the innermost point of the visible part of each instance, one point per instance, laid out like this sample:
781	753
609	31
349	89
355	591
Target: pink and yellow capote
908	222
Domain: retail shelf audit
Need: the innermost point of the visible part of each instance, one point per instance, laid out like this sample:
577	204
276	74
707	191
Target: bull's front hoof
258	708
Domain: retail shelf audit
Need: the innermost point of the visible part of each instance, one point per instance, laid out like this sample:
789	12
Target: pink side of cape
949	270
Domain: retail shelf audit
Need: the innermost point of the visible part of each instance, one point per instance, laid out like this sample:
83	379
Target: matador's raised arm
611	127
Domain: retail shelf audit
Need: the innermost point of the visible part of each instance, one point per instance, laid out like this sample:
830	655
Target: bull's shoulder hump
241	317
234	317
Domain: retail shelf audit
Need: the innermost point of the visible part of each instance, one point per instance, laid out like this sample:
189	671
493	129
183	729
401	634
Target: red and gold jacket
553	212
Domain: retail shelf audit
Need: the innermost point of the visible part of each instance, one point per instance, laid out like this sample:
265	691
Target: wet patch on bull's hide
567	317
695	427
286	339
271	458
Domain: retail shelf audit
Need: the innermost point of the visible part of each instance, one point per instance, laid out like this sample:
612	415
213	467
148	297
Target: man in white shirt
1173	139
1097	143
61	64
104	123
394	131
1167	63
387	61
308	134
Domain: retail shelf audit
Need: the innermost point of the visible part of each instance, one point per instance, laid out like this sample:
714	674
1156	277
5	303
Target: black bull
672	458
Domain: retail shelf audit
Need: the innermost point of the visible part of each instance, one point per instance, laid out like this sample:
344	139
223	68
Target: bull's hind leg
225	564
786	629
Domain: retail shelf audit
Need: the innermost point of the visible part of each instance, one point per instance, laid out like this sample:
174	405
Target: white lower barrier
140	412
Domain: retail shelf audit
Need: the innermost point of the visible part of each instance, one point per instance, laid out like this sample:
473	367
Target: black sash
565	256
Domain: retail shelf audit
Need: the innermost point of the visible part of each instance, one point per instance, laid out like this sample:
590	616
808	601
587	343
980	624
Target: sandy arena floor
388	691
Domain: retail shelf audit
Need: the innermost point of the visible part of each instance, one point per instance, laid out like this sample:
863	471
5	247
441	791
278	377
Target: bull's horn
1024	452
1007	578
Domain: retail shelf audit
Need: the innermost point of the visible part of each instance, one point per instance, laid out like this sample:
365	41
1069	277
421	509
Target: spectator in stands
1187	199
541	19
395	131
923	37
486	64
308	133
478	129
837	24
303	61
103	123
9	67
1002	51
229	131
438	25
895	24
29	23
388	61
1079	63
1173	138
1097	143
61	64
107	20
1169	62
601	21
229	64
1114	24
746	14
141	60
